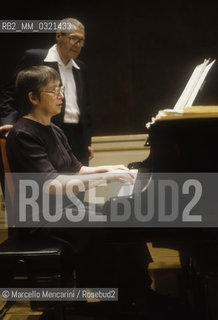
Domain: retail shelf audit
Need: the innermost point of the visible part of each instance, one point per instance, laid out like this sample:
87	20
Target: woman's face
51	98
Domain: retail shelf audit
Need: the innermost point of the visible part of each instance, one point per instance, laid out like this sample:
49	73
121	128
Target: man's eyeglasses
75	40
56	92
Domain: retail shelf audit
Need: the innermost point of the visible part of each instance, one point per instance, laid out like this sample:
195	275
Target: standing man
75	118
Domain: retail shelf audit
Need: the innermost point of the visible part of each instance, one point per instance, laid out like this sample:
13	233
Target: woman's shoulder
24	125
28	129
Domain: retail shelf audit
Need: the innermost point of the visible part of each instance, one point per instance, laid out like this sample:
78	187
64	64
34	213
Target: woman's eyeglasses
56	92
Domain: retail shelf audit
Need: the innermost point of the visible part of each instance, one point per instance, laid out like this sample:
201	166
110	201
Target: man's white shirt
72	112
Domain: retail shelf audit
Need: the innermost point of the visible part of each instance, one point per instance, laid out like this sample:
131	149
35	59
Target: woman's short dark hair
32	80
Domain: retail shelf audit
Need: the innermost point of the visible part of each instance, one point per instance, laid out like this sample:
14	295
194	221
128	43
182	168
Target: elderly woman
36	145
39	145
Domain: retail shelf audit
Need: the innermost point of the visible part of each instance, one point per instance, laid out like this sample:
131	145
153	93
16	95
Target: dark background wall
139	54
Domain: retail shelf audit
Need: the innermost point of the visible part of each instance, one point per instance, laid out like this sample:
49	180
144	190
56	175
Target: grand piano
184	145
183	150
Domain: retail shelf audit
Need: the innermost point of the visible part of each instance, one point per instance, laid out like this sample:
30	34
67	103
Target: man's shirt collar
53	56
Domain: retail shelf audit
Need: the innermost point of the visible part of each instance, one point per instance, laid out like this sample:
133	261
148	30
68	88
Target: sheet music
193	86
188	95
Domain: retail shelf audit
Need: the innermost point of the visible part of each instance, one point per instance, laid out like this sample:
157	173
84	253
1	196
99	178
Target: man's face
70	44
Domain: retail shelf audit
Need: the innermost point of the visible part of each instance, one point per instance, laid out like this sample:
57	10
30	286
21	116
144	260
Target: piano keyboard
127	188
